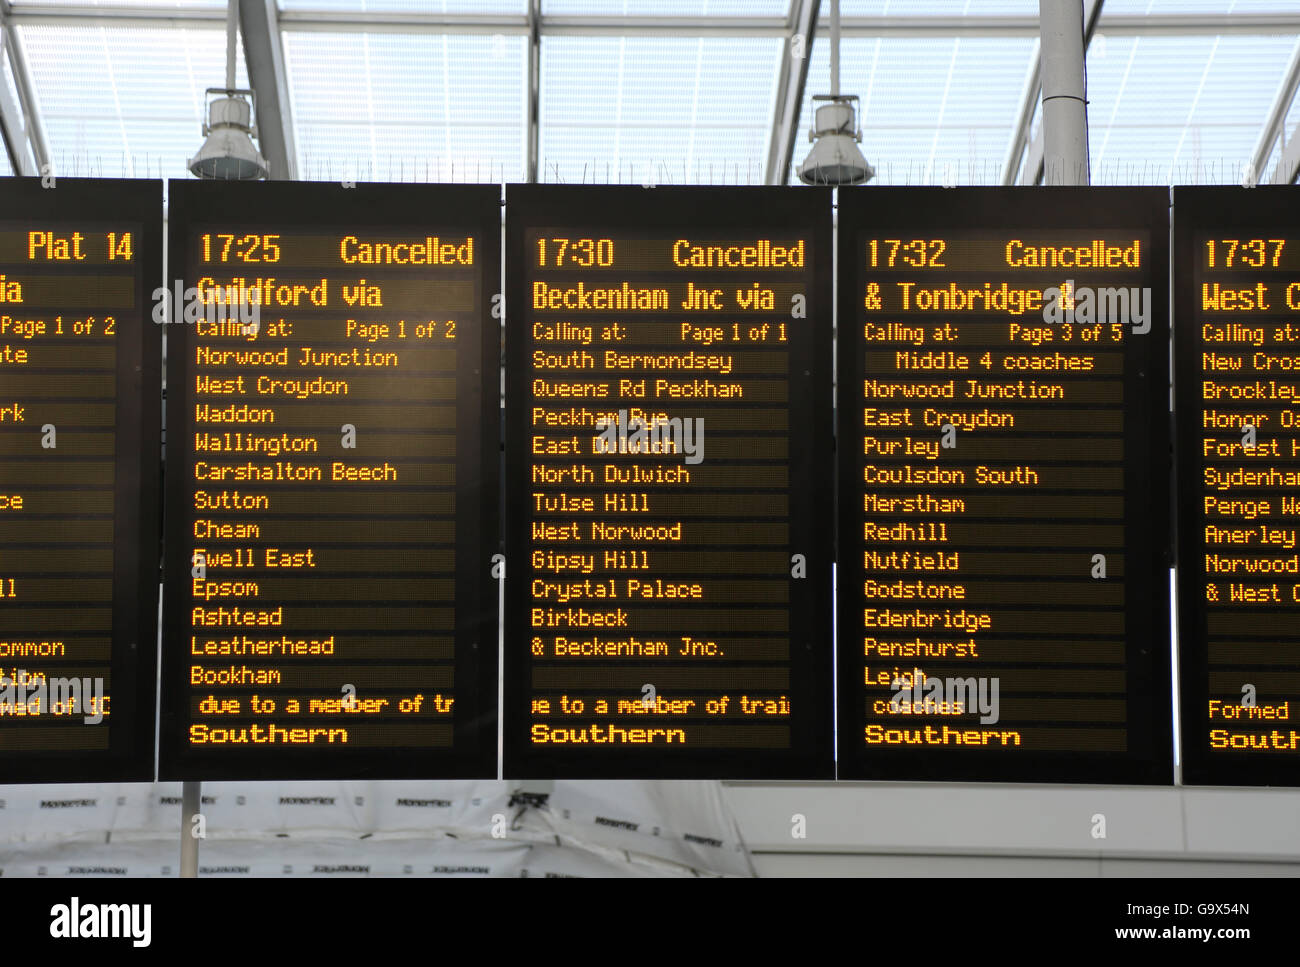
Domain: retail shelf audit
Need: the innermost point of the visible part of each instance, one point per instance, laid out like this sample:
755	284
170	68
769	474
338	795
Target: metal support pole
191	805
534	87
1065	106
232	25
264	57
835	48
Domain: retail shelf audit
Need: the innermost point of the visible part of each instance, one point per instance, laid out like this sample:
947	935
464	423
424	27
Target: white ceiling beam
792	80
596	25
1029	96
1288	166
264	58
14	133
28	103
13	128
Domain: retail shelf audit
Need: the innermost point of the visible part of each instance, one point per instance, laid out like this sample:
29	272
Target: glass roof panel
933	109
1180	109
403	107
675	109
124	101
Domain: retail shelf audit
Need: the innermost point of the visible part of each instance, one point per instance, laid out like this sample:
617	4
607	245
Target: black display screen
668	445
332	482
1237	312
79	475
1003	419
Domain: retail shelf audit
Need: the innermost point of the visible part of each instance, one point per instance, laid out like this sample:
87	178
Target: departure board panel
1237	343
668	444
332	482
1003	414
79	470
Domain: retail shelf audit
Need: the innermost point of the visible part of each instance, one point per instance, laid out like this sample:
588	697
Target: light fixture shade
835	158
228	152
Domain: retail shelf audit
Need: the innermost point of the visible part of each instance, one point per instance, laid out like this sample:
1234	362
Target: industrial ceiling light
835	158
228	152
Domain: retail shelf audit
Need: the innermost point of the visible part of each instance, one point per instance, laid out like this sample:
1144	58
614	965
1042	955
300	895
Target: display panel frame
622	212
136	203
915	212
321	207
1198	210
